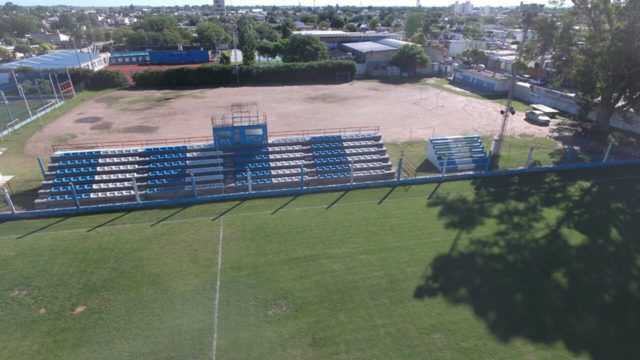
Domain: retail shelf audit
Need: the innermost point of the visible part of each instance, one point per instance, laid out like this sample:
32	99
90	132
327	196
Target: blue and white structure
457	153
242	158
62	59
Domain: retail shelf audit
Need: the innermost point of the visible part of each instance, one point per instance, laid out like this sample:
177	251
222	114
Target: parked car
538	82
537	117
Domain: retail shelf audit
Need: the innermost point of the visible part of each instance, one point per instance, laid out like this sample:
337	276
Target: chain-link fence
25	94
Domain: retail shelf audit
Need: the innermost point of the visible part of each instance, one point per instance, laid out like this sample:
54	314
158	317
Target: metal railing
206	139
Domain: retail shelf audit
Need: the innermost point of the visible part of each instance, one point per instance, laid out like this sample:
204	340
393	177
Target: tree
20	25
413	24
350	27
66	22
607	68
211	34
337	22
374	23
287	27
409	58
269	49
266	32
419	38
23	49
304	48
247	40
476	56
546	29
5	54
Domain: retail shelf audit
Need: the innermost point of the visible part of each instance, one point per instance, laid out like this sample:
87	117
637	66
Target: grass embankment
14	161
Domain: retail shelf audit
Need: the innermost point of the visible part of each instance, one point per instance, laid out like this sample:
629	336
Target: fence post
6	104
530	158
301	176
7	198
193	185
21	93
55	94
606	154
41	167
399	173
74	195
444	168
249	180
135	189
488	166
569	154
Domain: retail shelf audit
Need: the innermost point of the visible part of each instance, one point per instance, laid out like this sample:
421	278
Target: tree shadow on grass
557	261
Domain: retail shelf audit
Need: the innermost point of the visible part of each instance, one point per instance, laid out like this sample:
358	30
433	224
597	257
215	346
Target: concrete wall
567	104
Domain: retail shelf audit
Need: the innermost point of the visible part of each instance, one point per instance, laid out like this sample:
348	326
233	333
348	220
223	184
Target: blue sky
267	2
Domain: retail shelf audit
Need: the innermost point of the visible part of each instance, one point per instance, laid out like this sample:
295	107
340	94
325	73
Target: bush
97	80
220	75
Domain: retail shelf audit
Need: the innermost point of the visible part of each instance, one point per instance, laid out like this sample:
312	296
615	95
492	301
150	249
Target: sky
259	3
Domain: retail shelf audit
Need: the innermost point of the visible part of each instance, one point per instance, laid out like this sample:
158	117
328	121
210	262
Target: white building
219	7
462	8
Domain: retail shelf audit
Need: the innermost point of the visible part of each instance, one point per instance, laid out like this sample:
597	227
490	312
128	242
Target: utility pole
235	52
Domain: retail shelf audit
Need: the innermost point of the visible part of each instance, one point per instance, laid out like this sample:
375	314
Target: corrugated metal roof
368	46
60	59
394	43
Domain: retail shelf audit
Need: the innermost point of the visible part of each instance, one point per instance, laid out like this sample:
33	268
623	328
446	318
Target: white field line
217	298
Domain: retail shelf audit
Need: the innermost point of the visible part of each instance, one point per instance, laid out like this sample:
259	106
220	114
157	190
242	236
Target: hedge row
219	75
97	80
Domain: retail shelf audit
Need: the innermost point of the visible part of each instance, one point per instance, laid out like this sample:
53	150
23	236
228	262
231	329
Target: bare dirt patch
140	129
42	311
79	310
89	120
403	112
104	125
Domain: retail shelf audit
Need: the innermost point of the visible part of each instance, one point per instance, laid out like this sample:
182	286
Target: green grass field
542	267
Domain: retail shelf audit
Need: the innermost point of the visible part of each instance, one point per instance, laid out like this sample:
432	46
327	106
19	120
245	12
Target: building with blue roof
61	59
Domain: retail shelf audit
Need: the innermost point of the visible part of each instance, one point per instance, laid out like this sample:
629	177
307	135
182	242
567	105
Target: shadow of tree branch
560	262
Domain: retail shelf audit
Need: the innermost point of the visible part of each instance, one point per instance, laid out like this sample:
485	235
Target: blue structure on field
242	158
160	57
457	153
129	58
240	128
171	57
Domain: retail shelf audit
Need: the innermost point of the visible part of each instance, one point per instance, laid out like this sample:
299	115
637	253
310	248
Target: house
52	38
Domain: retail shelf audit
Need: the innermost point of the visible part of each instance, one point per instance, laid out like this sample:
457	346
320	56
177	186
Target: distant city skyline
257	3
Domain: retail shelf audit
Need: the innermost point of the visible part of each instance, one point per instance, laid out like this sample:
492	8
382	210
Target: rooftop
60	59
368	46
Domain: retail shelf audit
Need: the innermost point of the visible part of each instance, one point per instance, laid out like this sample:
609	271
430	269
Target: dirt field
403	112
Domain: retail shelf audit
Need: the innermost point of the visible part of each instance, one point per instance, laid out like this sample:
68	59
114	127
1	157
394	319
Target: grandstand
241	158
457	153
